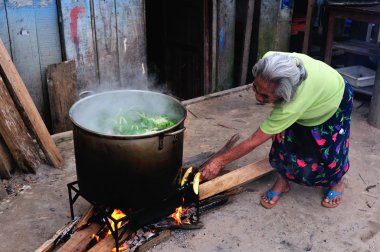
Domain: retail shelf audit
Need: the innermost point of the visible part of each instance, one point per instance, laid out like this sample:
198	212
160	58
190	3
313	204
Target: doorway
177	46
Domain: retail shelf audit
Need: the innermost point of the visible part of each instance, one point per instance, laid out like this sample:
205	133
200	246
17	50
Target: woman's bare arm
212	168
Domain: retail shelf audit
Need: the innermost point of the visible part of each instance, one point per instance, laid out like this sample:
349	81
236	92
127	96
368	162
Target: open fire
132	228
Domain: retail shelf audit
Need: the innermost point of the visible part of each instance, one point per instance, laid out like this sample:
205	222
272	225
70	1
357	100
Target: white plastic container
358	76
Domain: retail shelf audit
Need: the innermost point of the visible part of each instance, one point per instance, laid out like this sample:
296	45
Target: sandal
331	195
270	195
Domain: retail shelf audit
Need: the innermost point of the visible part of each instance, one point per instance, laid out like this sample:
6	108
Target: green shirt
316	99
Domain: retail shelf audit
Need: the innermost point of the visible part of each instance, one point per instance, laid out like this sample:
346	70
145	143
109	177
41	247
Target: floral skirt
317	155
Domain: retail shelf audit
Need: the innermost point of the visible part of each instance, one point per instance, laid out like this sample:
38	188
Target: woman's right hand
211	169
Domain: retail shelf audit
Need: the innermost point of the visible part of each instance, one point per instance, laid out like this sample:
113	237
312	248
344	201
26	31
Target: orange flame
117	214
177	215
121	248
96	237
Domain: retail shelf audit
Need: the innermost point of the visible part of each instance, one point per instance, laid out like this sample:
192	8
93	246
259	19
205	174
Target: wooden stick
234	178
15	134
27	108
5	160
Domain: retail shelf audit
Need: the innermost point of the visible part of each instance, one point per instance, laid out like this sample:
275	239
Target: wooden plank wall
78	39
49	45
130	18
107	40
33	42
225	45
274	27
24	46
4	35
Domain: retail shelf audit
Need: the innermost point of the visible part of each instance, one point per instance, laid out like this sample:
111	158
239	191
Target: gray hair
283	70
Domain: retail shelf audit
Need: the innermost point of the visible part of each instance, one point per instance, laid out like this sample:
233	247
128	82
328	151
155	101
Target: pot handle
85	93
175	132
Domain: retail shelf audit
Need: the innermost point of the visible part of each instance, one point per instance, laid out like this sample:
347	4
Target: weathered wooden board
80	239
27	108
4	35
225	44
5	160
49	46
78	39
23	37
130	19
267	27
106	43
62	89
15	134
234	178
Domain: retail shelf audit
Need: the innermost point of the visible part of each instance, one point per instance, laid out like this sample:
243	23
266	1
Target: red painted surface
74	23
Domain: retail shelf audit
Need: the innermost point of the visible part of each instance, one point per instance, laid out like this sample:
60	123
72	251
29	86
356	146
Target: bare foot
337	199
280	186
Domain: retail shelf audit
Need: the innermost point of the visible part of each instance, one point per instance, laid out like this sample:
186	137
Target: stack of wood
25	142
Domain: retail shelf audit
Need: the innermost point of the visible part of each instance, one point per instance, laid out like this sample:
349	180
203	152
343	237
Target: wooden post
62	89
27	108
15	134
247	42
306	37
374	109
329	36
5	160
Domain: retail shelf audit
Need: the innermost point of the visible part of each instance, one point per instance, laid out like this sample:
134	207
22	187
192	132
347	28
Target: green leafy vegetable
127	124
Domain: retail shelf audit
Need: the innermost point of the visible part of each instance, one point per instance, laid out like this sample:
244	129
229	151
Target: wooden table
364	14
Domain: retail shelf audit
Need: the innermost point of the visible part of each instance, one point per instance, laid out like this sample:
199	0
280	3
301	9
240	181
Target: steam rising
88	112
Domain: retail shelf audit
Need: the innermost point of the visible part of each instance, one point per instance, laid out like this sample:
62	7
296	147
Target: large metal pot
129	171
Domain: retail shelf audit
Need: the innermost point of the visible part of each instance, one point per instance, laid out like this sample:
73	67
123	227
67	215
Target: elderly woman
309	125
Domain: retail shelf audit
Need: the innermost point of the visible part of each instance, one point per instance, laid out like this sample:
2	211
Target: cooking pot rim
146	135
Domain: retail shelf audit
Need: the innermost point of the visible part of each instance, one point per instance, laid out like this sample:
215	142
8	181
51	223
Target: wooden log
80	239
27	108
5	160
163	236
234	178
15	134
62	90
108	243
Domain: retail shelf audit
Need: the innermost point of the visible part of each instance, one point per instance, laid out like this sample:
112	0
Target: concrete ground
39	206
